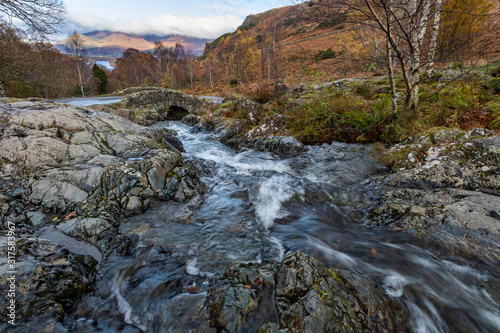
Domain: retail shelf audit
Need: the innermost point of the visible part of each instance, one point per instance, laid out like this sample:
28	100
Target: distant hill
112	44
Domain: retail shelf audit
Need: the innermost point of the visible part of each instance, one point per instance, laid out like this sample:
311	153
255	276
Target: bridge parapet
163	99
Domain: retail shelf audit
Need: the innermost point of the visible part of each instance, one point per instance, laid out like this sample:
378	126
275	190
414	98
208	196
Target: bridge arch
167	101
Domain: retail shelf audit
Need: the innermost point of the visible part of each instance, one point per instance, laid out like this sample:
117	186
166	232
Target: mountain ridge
114	43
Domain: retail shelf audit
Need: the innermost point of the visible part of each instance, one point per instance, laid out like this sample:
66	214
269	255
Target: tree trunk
2	92
392	81
390	64
80	79
434	37
416	31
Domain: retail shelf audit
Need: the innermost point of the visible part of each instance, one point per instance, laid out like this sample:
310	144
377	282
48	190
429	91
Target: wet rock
460	221
471	165
496	213
166	137
92	162
235	128
334	300
272	328
234	298
282	146
134	204
308	297
253	111
191	120
450	198
215	125
48	281
36	218
97	231
56	195
232	305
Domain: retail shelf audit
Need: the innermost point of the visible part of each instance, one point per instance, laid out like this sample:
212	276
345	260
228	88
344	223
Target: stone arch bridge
173	103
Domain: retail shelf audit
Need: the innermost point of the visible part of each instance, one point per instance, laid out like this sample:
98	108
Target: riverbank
196	236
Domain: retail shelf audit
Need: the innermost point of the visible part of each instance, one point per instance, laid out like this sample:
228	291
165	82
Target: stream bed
256	209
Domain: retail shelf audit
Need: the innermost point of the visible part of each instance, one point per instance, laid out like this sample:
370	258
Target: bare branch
41	17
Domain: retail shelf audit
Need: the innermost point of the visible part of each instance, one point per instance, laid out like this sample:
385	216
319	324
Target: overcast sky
198	18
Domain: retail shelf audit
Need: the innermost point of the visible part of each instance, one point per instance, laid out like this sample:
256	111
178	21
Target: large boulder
92	162
284	147
48	281
273	125
253	111
445	191
308	297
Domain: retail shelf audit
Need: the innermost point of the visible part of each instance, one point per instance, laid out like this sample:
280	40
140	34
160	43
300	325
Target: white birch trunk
416	30
80	77
434	38
2	91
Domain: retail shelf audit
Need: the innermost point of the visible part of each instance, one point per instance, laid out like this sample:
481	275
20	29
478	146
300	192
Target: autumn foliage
32	68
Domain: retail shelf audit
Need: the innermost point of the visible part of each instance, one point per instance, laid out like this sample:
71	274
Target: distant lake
106	64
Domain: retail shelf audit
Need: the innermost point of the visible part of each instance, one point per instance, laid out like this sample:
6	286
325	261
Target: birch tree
434	38
76	50
406	25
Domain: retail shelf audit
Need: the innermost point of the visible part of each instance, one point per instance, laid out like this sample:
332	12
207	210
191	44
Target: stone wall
162	98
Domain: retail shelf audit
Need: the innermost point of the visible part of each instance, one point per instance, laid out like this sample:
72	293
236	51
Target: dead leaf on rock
70	216
193	289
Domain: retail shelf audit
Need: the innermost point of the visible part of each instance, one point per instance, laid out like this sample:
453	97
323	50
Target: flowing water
258	208
86	101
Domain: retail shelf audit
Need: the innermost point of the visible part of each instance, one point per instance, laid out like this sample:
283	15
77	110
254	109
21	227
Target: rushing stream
259	207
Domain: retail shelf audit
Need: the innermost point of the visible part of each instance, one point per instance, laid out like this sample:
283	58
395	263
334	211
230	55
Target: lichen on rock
308	297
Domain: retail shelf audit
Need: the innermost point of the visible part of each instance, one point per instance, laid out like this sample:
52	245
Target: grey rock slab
496	213
36	218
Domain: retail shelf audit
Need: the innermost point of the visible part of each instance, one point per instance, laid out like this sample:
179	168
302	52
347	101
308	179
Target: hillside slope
302	42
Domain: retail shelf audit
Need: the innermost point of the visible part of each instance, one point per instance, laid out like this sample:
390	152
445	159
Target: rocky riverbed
446	190
192	235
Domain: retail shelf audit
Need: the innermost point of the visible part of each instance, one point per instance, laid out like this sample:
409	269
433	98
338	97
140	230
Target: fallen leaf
248	287
193	289
55	219
258	280
70	216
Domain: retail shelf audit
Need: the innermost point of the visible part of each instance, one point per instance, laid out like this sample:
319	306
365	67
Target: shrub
240	114
233	83
364	90
262	95
493	109
495	72
339	118
327	54
463	96
495	86
338	19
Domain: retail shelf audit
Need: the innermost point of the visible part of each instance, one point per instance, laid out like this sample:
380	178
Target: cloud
210	26
241	7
